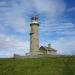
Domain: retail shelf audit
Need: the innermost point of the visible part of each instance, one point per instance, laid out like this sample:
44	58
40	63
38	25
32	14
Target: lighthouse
34	38
35	51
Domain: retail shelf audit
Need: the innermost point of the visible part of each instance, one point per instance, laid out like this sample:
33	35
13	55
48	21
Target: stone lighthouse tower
34	40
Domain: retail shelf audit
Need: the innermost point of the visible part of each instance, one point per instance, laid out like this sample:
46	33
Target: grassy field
38	66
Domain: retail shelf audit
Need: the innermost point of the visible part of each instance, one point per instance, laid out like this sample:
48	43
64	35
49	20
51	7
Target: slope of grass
38	66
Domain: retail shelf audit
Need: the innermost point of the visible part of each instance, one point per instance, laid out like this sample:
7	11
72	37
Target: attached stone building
48	50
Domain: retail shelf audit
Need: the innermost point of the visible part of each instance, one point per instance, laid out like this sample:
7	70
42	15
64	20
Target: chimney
49	45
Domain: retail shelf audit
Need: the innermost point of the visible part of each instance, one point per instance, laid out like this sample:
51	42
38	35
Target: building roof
48	48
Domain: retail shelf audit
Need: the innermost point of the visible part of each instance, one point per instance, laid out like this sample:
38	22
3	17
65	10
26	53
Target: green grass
38	66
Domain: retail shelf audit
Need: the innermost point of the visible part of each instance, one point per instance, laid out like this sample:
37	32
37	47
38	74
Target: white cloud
65	46
19	24
16	10
65	28
11	45
51	7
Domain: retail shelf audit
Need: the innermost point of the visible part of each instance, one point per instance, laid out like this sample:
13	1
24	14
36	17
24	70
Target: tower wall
34	41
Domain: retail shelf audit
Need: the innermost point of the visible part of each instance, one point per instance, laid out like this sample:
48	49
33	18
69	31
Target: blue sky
56	19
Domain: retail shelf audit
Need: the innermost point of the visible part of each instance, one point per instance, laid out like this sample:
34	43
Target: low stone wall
35	56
